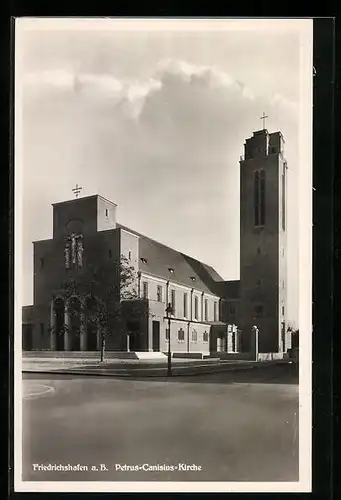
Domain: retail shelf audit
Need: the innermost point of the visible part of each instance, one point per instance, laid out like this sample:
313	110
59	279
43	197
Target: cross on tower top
263	118
77	190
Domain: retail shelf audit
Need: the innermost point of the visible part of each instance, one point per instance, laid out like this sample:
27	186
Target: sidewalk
144	368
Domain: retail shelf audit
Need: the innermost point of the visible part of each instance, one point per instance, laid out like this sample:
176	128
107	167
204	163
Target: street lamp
255	330
169	311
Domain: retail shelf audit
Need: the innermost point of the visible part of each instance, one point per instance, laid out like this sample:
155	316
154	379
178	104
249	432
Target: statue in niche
75	243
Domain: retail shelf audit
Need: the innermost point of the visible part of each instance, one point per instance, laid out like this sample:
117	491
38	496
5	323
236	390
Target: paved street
240	426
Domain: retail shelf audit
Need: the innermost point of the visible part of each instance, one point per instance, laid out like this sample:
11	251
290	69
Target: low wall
79	354
271	356
188	355
250	356
242	356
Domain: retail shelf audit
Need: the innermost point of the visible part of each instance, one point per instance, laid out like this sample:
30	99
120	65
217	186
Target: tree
103	289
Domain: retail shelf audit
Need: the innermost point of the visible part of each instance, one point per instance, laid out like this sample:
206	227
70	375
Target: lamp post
255	330
169	311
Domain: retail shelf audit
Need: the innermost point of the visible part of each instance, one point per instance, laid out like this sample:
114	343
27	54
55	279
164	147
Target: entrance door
134	331
156	335
234	341
59	308
283	335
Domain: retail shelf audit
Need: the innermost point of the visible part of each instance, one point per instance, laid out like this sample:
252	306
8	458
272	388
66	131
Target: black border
323	172
323	176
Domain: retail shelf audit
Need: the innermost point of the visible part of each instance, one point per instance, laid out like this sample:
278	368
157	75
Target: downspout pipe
191	317
167	293
169	329
189	322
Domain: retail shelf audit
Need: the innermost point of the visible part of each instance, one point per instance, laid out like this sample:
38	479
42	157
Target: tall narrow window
215	311
67	255
145	290
80	253
159	293
206	309
283	198
259	198
262	197
256	198
185	305
196	307
173	301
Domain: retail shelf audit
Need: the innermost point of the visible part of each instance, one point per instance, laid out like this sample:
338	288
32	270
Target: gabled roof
158	259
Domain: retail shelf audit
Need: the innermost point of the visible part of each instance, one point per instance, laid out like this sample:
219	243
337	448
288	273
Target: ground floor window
181	335
205	336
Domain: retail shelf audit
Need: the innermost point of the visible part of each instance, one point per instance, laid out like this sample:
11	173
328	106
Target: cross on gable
263	117
77	190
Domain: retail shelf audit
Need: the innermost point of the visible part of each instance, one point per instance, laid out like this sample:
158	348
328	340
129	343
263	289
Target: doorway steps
151	355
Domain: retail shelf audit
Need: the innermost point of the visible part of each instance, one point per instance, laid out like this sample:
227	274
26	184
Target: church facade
207	314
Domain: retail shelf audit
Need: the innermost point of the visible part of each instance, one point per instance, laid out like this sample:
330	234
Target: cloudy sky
154	118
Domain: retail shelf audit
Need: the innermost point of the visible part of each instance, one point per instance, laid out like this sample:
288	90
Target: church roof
228	289
165	262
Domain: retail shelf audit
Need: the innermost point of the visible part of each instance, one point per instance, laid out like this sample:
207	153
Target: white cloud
209	75
50	78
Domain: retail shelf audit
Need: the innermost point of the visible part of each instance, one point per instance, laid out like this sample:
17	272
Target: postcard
163	254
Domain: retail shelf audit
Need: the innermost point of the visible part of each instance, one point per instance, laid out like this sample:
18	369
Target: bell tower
263	241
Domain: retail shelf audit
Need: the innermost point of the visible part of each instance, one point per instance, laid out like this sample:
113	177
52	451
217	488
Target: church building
207	314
